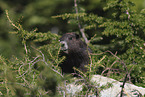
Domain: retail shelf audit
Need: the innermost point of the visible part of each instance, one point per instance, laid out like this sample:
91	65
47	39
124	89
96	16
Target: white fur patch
65	46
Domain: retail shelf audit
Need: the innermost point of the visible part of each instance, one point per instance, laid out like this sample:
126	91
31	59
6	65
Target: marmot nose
64	45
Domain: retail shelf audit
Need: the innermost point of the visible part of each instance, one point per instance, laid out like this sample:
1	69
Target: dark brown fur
76	52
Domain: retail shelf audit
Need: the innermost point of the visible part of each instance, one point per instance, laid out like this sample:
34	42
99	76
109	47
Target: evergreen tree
118	46
120	35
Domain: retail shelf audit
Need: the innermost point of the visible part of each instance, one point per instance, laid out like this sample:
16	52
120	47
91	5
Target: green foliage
28	14
126	27
20	78
33	74
118	46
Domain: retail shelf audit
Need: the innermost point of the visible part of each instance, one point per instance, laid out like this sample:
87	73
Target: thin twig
79	24
109	68
123	85
92	38
25	47
43	60
7	14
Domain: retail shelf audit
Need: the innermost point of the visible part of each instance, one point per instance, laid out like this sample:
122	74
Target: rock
130	90
114	90
73	89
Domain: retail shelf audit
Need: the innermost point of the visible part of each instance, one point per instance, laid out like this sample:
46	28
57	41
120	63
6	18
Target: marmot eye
70	38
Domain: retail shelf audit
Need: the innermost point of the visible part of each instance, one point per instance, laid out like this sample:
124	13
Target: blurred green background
124	37
38	14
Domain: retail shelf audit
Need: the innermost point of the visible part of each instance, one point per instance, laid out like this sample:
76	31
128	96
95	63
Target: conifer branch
44	60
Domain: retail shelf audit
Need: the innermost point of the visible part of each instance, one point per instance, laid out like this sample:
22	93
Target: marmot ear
77	36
